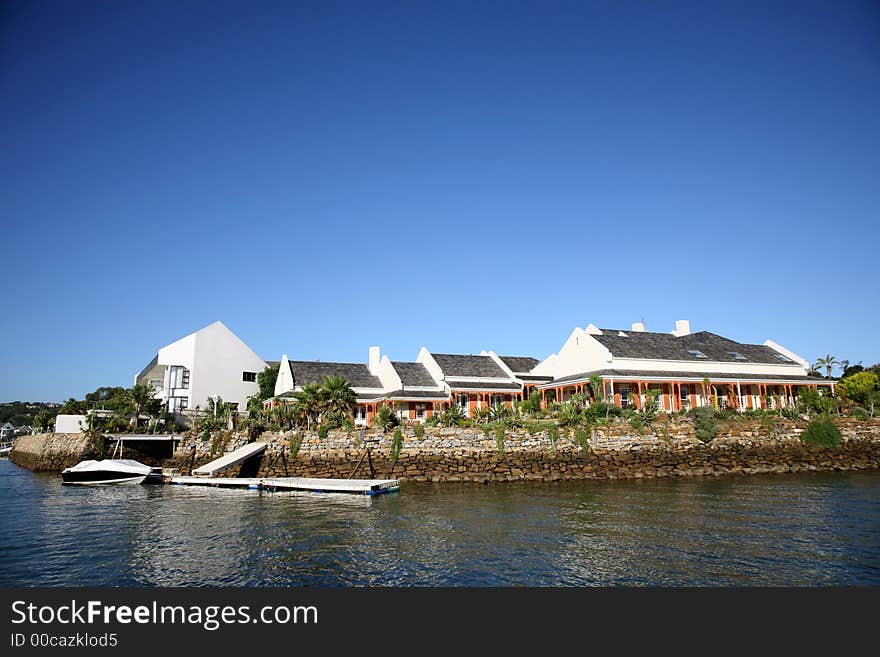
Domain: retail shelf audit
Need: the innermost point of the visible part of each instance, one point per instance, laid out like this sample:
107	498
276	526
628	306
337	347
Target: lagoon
809	529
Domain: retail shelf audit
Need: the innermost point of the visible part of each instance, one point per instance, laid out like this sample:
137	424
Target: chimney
373	365
638	327
682	327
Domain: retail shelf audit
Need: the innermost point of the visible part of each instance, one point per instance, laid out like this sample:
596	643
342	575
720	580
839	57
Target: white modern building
211	362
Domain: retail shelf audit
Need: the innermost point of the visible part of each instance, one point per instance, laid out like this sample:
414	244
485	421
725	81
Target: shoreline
613	452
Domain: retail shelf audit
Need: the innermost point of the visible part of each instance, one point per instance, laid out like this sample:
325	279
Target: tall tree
310	402
828	362
138	398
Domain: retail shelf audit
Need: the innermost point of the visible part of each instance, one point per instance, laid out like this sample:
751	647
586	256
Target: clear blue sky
326	176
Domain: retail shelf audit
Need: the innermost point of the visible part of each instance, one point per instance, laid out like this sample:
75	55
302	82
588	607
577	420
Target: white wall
219	359
426	359
70	423
580	353
284	381
388	375
706	366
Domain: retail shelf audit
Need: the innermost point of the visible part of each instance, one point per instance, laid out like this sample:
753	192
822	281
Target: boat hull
102	478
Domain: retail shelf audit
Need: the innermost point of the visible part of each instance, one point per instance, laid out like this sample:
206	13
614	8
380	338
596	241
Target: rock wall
52	451
612	452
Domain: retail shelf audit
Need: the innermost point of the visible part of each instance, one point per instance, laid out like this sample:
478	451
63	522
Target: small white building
210	362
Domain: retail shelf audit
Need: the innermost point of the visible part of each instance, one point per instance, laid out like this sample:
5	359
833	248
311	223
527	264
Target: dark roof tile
413	374
461	365
665	346
308	371
520	363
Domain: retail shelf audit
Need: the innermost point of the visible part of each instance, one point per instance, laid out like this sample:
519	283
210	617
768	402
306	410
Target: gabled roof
665	346
414	374
521	364
460	365
309	371
497	386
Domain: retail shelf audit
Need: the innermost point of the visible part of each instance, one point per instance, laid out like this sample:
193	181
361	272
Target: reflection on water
810	529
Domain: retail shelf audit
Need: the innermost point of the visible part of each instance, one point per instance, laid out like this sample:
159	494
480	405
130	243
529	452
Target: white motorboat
111	471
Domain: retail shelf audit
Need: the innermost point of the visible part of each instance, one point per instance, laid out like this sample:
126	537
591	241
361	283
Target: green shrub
821	432
789	413
323	431
860	413
582	438
396	445
704	423
553	434
452	416
433	421
419	430
637	423
385	419
499	438
294	444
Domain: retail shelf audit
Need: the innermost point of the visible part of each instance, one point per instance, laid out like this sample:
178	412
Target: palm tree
137	398
310	402
338	397
828	363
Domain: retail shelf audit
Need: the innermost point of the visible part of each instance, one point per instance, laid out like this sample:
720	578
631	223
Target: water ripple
805	529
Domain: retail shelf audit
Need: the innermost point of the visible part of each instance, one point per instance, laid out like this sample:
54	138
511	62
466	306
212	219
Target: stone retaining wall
613	452
51	451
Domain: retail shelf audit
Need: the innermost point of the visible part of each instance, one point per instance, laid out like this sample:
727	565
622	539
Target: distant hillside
19	413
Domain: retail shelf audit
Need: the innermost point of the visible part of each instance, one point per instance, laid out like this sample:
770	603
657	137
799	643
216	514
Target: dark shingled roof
484	385
520	363
309	371
407	394
413	374
459	365
666	346
635	374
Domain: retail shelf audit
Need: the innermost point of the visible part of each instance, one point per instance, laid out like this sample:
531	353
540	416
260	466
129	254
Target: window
696	353
420	411
462	401
624	395
156	384
685	392
737	355
784	359
496	400
360	413
177	404
249	376
403	410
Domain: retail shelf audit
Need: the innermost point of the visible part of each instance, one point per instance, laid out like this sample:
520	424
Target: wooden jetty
351	486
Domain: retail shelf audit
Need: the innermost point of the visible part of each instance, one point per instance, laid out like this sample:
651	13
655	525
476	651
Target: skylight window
784	359
696	353
737	355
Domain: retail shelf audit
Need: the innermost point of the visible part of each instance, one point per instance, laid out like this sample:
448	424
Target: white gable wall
580	353
426	359
219	359
284	381
388	375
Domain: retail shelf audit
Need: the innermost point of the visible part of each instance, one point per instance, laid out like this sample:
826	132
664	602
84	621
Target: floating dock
351	486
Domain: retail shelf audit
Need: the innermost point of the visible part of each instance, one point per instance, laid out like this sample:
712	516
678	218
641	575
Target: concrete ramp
228	460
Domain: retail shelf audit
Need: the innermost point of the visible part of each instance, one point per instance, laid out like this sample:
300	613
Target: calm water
812	529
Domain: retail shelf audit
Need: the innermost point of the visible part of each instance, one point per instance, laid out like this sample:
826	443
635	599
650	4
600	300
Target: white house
688	369
210	362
